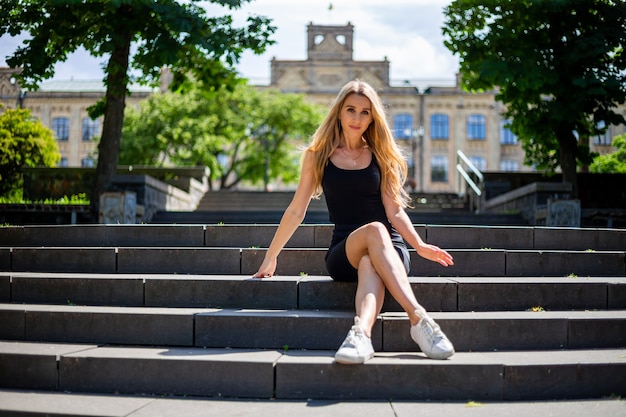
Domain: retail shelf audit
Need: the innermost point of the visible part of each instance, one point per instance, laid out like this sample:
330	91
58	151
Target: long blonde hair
327	137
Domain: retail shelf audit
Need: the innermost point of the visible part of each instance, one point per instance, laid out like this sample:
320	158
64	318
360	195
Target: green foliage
613	162
560	68
24	141
74	200
165	33
169	33
231	132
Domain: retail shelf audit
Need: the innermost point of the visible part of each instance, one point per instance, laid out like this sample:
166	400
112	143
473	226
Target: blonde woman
355	162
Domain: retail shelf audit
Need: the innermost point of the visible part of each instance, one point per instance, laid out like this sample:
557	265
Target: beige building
431	126
62	106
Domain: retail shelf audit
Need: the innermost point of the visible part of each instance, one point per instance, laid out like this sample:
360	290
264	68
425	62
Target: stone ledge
308	329
13	402
308	292
307	236
297	375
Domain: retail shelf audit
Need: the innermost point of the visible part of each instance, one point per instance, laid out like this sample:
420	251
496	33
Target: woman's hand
435	254
267	269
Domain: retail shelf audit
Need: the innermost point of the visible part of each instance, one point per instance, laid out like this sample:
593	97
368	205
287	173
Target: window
476	127
605	138
439	127
63	162
90	128
479	162
61	128
506	136
509	165
439	169
403	126
223	160
87	162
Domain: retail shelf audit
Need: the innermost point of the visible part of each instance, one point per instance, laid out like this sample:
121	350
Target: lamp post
420	135
413	135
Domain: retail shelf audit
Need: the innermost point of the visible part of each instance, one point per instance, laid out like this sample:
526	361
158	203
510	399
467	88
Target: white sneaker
431	340
357	348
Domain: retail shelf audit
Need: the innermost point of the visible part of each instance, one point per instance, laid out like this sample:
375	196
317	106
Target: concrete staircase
172	310
258	207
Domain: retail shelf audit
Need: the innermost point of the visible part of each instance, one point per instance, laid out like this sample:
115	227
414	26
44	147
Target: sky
407	32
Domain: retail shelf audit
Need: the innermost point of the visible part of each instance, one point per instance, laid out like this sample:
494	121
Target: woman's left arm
402	223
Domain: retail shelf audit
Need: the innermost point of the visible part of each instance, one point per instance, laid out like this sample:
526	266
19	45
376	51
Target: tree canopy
24	141
614	162
175	34
244	135
559	68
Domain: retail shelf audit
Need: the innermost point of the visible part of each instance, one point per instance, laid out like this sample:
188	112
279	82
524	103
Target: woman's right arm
292	218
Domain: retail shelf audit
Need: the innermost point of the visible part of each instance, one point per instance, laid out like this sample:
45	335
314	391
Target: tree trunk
568	146
584	141
115	102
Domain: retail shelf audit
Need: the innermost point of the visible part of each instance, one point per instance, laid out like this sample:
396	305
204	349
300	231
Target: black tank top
354	198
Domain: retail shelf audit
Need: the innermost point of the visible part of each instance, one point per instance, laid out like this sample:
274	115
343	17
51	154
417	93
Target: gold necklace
354	159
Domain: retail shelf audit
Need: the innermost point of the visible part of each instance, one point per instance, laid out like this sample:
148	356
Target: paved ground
30	403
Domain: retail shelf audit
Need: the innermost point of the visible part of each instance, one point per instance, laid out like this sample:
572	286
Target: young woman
355	162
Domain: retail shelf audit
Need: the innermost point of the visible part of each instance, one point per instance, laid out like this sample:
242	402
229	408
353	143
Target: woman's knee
377	230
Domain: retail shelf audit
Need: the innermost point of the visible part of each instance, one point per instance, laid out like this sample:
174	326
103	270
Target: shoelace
432	328
353	335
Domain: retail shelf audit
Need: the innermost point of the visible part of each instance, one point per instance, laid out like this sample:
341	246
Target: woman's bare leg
370	294
372	241
371	251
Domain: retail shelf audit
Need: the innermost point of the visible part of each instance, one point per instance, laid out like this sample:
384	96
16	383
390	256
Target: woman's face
356	115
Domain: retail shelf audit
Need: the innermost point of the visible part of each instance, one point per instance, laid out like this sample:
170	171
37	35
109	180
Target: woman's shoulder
310	157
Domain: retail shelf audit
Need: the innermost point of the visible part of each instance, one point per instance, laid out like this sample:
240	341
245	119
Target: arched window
439	127
403	126
87	162
479	162
476	127
603	139
90	128
509	165
506	136
61	128
439	168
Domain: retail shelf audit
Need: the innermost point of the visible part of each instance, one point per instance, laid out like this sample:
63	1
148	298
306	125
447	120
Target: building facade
431	126
62	107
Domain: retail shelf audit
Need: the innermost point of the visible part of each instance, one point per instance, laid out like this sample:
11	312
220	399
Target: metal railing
475	198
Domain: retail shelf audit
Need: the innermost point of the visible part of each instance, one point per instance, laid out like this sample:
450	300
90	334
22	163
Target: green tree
242	135
24	141
614	162
559	68
176	34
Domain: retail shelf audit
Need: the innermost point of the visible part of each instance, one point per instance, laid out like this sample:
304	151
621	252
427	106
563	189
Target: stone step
449	216
279	200
306	329
64	404
294	261
308	292
298	374
306	236
258	216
